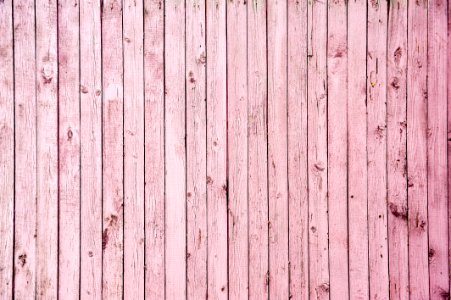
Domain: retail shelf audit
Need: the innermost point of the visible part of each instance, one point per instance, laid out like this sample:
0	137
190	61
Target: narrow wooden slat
317	150
6	150
297	149
216	150
47	149
25	150
396	150
437	150
449	131
175	151
113	150
91	149
154	148
196	150
277	150
133	150
257	150
237	117
357	147
417	149
337	72
377	149
69	151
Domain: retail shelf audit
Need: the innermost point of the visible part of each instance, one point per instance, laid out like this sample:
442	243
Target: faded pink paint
69	152
337	83
224	149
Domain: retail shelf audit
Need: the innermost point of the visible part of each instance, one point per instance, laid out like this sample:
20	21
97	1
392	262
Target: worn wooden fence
224	149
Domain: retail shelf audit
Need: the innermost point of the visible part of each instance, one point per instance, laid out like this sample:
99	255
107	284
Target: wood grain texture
216	151
196	132
25	177
46	149
317	150
112	151
357	152
69	151
337	84
297	150
224	149
132	17
377	149
237	149
91	149
396	150
437	186
175	150
277	150
257	150
417	150
6	150
154	148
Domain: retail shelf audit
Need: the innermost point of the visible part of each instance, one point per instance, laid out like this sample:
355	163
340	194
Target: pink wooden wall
224	149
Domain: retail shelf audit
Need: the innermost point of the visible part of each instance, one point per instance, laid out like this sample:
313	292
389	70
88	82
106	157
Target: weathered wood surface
224	149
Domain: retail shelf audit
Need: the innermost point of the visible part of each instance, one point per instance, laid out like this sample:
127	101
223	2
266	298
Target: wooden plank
449	131
377	149
216	150
417	149
154	148
357	151
396	150
69	150
277	150
91	149
6	150
196	151
237	161
317	150
133	149
437	150
47	149
257	150
113	138
175	151
297	149
337	73
25	150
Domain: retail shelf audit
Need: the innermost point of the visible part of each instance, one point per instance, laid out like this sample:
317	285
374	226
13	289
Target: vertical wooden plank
47	149
216	150
196	150
257	150
91	149
417	149
357	151
6	150
337	72
377	149
396	150
237	122
154	148
25	150
437	149
277	150
69	150
317	150
175	142
297	149
113	150
133	149
449	136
